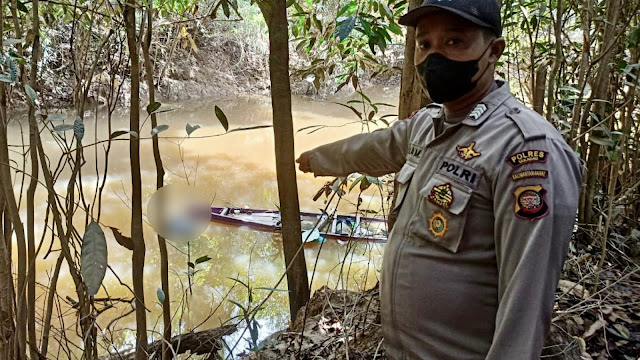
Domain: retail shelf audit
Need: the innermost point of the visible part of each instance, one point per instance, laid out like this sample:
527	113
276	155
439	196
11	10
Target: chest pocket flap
442	212
403	177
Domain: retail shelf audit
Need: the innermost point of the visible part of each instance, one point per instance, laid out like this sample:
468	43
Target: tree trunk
21	287
538	91
48	312
33	184
7	324
275	14
412	97
14	216
556	63
162	243
600	87
136	183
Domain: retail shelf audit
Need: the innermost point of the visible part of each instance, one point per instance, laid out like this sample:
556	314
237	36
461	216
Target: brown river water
237	169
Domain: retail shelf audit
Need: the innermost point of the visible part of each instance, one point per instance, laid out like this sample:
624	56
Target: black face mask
447	80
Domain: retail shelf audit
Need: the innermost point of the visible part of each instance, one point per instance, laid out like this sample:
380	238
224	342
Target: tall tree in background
162	242
275	14
412	97
136	183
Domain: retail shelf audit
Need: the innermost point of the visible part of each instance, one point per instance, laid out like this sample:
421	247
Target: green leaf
160	295
93	257
202	259
222	118
345	27
353	184
30	93
244	310
239	281
191	128
374	180
55	117
348	9
22	7
395	28
115	134
158	129
364	184
78	128
12	67
355	111
602	141
5	78
153	107
366	27
225	8
386	11
62	128
271	289
160	111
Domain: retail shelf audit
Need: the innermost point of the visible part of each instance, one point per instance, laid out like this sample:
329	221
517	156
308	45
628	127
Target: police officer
486	204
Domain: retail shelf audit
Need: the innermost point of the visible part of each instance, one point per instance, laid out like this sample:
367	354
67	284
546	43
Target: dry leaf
599	324
578	290
619	315
585	356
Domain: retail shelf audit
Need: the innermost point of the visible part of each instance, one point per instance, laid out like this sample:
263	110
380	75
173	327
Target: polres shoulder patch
527	157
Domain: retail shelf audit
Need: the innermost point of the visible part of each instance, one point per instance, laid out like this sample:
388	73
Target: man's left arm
535	200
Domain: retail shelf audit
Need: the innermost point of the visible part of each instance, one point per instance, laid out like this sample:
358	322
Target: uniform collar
488	105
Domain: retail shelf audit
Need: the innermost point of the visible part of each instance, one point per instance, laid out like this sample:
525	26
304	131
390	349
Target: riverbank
203	59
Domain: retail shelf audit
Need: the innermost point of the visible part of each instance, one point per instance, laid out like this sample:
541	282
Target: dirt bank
586	325
214	60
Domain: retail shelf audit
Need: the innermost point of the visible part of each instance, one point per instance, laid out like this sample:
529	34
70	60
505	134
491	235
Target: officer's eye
424	45
453	42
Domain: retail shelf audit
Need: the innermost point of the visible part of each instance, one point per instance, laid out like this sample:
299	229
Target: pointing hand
305	162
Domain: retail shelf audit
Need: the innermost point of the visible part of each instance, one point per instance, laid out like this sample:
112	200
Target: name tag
459	172
415	153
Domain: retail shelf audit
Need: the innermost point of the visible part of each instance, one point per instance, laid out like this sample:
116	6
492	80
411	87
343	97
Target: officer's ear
496	49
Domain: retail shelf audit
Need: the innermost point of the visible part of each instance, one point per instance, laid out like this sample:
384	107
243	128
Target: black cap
484	13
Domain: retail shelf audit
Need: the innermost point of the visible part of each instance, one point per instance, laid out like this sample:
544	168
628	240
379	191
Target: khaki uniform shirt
485	211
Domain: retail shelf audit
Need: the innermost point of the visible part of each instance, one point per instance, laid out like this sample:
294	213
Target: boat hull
338	227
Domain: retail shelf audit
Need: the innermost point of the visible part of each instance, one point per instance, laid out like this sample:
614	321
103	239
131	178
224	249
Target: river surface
237	169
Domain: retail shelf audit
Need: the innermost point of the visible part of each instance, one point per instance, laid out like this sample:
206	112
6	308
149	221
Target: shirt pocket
442	212
403	178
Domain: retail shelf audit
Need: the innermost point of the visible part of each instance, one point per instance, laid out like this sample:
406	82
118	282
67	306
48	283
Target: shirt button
514	111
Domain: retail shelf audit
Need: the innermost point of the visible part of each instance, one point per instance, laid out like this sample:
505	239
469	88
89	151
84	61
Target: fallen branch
198	343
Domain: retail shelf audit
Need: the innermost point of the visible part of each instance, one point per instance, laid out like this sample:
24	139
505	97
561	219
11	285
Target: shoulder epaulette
434	110
530	123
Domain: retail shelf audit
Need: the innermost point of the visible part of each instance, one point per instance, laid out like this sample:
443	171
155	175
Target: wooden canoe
315	226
